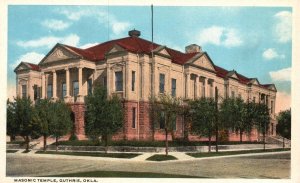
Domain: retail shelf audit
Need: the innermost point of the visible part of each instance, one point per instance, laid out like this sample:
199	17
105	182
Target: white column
54	82
126	88
67	82
108	78
79	97
187	85
196	89
43	84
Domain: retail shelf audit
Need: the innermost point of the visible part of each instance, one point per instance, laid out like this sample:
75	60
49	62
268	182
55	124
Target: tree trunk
12	138
209	142
45	143
264	136
56	144
27	143
241	136
167	147
106	143
217	138
186	129
173	135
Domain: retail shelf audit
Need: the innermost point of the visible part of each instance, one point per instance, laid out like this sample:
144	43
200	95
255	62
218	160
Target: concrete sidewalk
181	156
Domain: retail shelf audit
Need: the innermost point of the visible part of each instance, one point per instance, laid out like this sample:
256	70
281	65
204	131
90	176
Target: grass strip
93	154
147	143
226	153
161	157
123	174
11	151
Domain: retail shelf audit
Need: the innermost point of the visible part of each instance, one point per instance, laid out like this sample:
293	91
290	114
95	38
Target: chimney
134	33
193	48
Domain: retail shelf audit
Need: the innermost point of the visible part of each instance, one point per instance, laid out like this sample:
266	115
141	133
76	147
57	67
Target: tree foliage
43	116
60	122
165	108
104	116
12	128
237	115
203	115
284	124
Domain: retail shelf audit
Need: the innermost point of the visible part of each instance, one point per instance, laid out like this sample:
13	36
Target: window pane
24	91
161	83
90	85
35	92
49	91
133	81
119	81
133	117
64	90
75	88
173	87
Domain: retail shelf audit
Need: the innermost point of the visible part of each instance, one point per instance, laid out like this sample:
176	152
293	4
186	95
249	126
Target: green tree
60	122
262	119
168	107
284	125
104	115
28	128
237	115
43	116
203	118
12	127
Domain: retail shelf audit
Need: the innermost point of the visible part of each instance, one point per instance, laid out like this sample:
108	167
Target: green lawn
206	154
123	174
94	154
147	143
161	157
16	142
11	151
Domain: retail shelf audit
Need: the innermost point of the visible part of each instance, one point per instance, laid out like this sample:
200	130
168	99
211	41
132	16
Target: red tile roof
138	45
33	66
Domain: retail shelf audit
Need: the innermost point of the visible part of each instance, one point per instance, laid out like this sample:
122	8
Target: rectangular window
203	88
162	120
133	117
211	90
105	82
132	80
64	90
24	91
272	107
75	88
90	86
173	87
161	83
254	98
35	92
49	91
119	81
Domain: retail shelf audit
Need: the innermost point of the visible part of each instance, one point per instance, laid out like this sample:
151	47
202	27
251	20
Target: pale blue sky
255	41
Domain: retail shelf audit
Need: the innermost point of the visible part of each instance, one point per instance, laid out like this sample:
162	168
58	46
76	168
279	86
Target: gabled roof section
202	60
270	87
254	81
27	66
62	52
179	57
232	74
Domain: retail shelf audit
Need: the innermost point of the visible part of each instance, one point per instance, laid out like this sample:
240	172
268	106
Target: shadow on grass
161	157
93	154
11	151
123	174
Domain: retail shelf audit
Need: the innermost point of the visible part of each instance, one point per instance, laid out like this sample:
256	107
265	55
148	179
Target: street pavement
264	165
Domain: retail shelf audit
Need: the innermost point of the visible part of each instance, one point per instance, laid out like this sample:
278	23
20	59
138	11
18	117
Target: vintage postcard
154	91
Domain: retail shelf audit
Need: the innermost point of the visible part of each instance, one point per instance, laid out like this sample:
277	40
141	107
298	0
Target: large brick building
134	69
